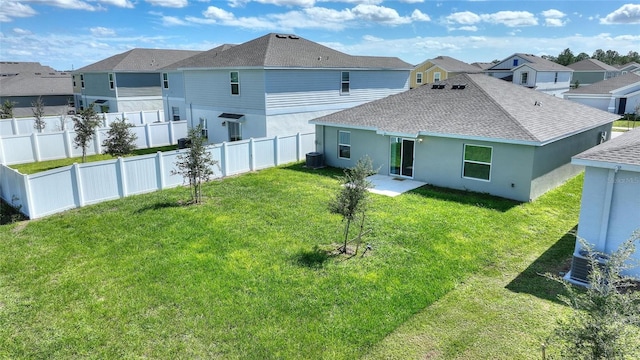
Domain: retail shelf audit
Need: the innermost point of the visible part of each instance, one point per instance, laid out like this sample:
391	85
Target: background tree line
611	57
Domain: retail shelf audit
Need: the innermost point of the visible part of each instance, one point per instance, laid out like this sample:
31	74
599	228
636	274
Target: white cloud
217	14
102	31
467	28
418	15
169	3
463	18
19	31
13	9
412	1
68	4
371	38
627	14
511	18
173	21
379	14
118	3
290	3
554	18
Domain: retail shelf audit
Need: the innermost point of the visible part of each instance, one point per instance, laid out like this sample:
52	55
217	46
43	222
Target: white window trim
231	83
439	76
165	80
464	150
342	82
112	81
523	74
341	144
82	81
418	78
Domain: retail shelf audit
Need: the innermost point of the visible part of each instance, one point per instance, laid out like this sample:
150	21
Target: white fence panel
74	186
53	191
52	145
6	127
264	153
99	181
13	188
307	143
288	149
17	149
236	157
138	174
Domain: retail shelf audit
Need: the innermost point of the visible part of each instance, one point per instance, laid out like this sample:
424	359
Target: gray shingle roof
591	65
139	60
486	108
454	65
197	60
15	67
605	87
279	50
29	84
624	149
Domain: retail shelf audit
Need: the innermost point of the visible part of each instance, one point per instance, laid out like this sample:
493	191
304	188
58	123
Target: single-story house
22	83
470	132
619	95
610	209
589	71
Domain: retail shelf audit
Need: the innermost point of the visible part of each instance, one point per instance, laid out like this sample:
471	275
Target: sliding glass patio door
401	162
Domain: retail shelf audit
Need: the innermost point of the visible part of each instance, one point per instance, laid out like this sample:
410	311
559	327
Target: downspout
606	211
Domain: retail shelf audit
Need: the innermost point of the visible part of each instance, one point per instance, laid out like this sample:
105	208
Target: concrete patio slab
392	185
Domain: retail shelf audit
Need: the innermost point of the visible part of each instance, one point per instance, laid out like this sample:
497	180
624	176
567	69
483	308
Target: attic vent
280	36
458	86
293	37
38	73
438	86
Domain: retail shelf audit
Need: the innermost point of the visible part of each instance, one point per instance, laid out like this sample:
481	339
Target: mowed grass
245	275
38	166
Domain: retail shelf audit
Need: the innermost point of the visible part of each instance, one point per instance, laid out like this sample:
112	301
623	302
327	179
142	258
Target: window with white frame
344	144
477	162
555	80
235	83
165	80
82	81
436	76
74	80
203	125
344	83
112	84
515	62
524	77
175	113
419	78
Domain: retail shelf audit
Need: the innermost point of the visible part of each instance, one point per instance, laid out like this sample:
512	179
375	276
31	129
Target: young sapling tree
85	124
196	164
120	139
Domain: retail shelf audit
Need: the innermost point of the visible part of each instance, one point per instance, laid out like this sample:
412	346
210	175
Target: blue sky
66	34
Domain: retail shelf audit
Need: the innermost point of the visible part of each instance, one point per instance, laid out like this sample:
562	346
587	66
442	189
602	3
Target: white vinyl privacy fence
69	187
24	126
19	149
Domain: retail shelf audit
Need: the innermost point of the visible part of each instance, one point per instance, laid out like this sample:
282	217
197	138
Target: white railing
19	149
69	187
24	126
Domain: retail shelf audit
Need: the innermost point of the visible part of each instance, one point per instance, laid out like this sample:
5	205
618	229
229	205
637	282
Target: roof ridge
502	109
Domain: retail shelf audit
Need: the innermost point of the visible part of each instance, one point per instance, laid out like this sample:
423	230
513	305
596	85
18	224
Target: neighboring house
533	72
470	132
130	81
24	82
610	209
440	68
618	95
274	85
632	67
589	71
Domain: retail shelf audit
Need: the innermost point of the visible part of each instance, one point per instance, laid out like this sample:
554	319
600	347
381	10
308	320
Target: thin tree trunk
346	236
360	233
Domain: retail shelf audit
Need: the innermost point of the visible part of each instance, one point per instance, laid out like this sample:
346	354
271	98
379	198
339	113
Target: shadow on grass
434	192
162	205
555	261
313	259
466	197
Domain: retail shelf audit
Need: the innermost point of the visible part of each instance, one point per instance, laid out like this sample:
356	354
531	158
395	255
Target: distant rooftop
607	86
139	60
591	65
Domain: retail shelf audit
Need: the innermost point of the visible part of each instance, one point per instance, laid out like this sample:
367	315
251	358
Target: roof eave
605	164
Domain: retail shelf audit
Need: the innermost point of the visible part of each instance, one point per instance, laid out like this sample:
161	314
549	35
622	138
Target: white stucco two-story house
533	72
273	85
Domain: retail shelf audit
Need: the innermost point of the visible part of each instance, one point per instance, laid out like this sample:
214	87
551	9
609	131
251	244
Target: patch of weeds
10	213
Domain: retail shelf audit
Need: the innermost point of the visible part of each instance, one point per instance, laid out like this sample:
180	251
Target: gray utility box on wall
314	160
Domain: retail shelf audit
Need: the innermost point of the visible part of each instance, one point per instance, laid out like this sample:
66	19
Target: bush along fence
24	126
74	186
19	149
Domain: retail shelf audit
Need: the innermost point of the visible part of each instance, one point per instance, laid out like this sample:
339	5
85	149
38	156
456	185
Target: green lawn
35	167
245	276
626	124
